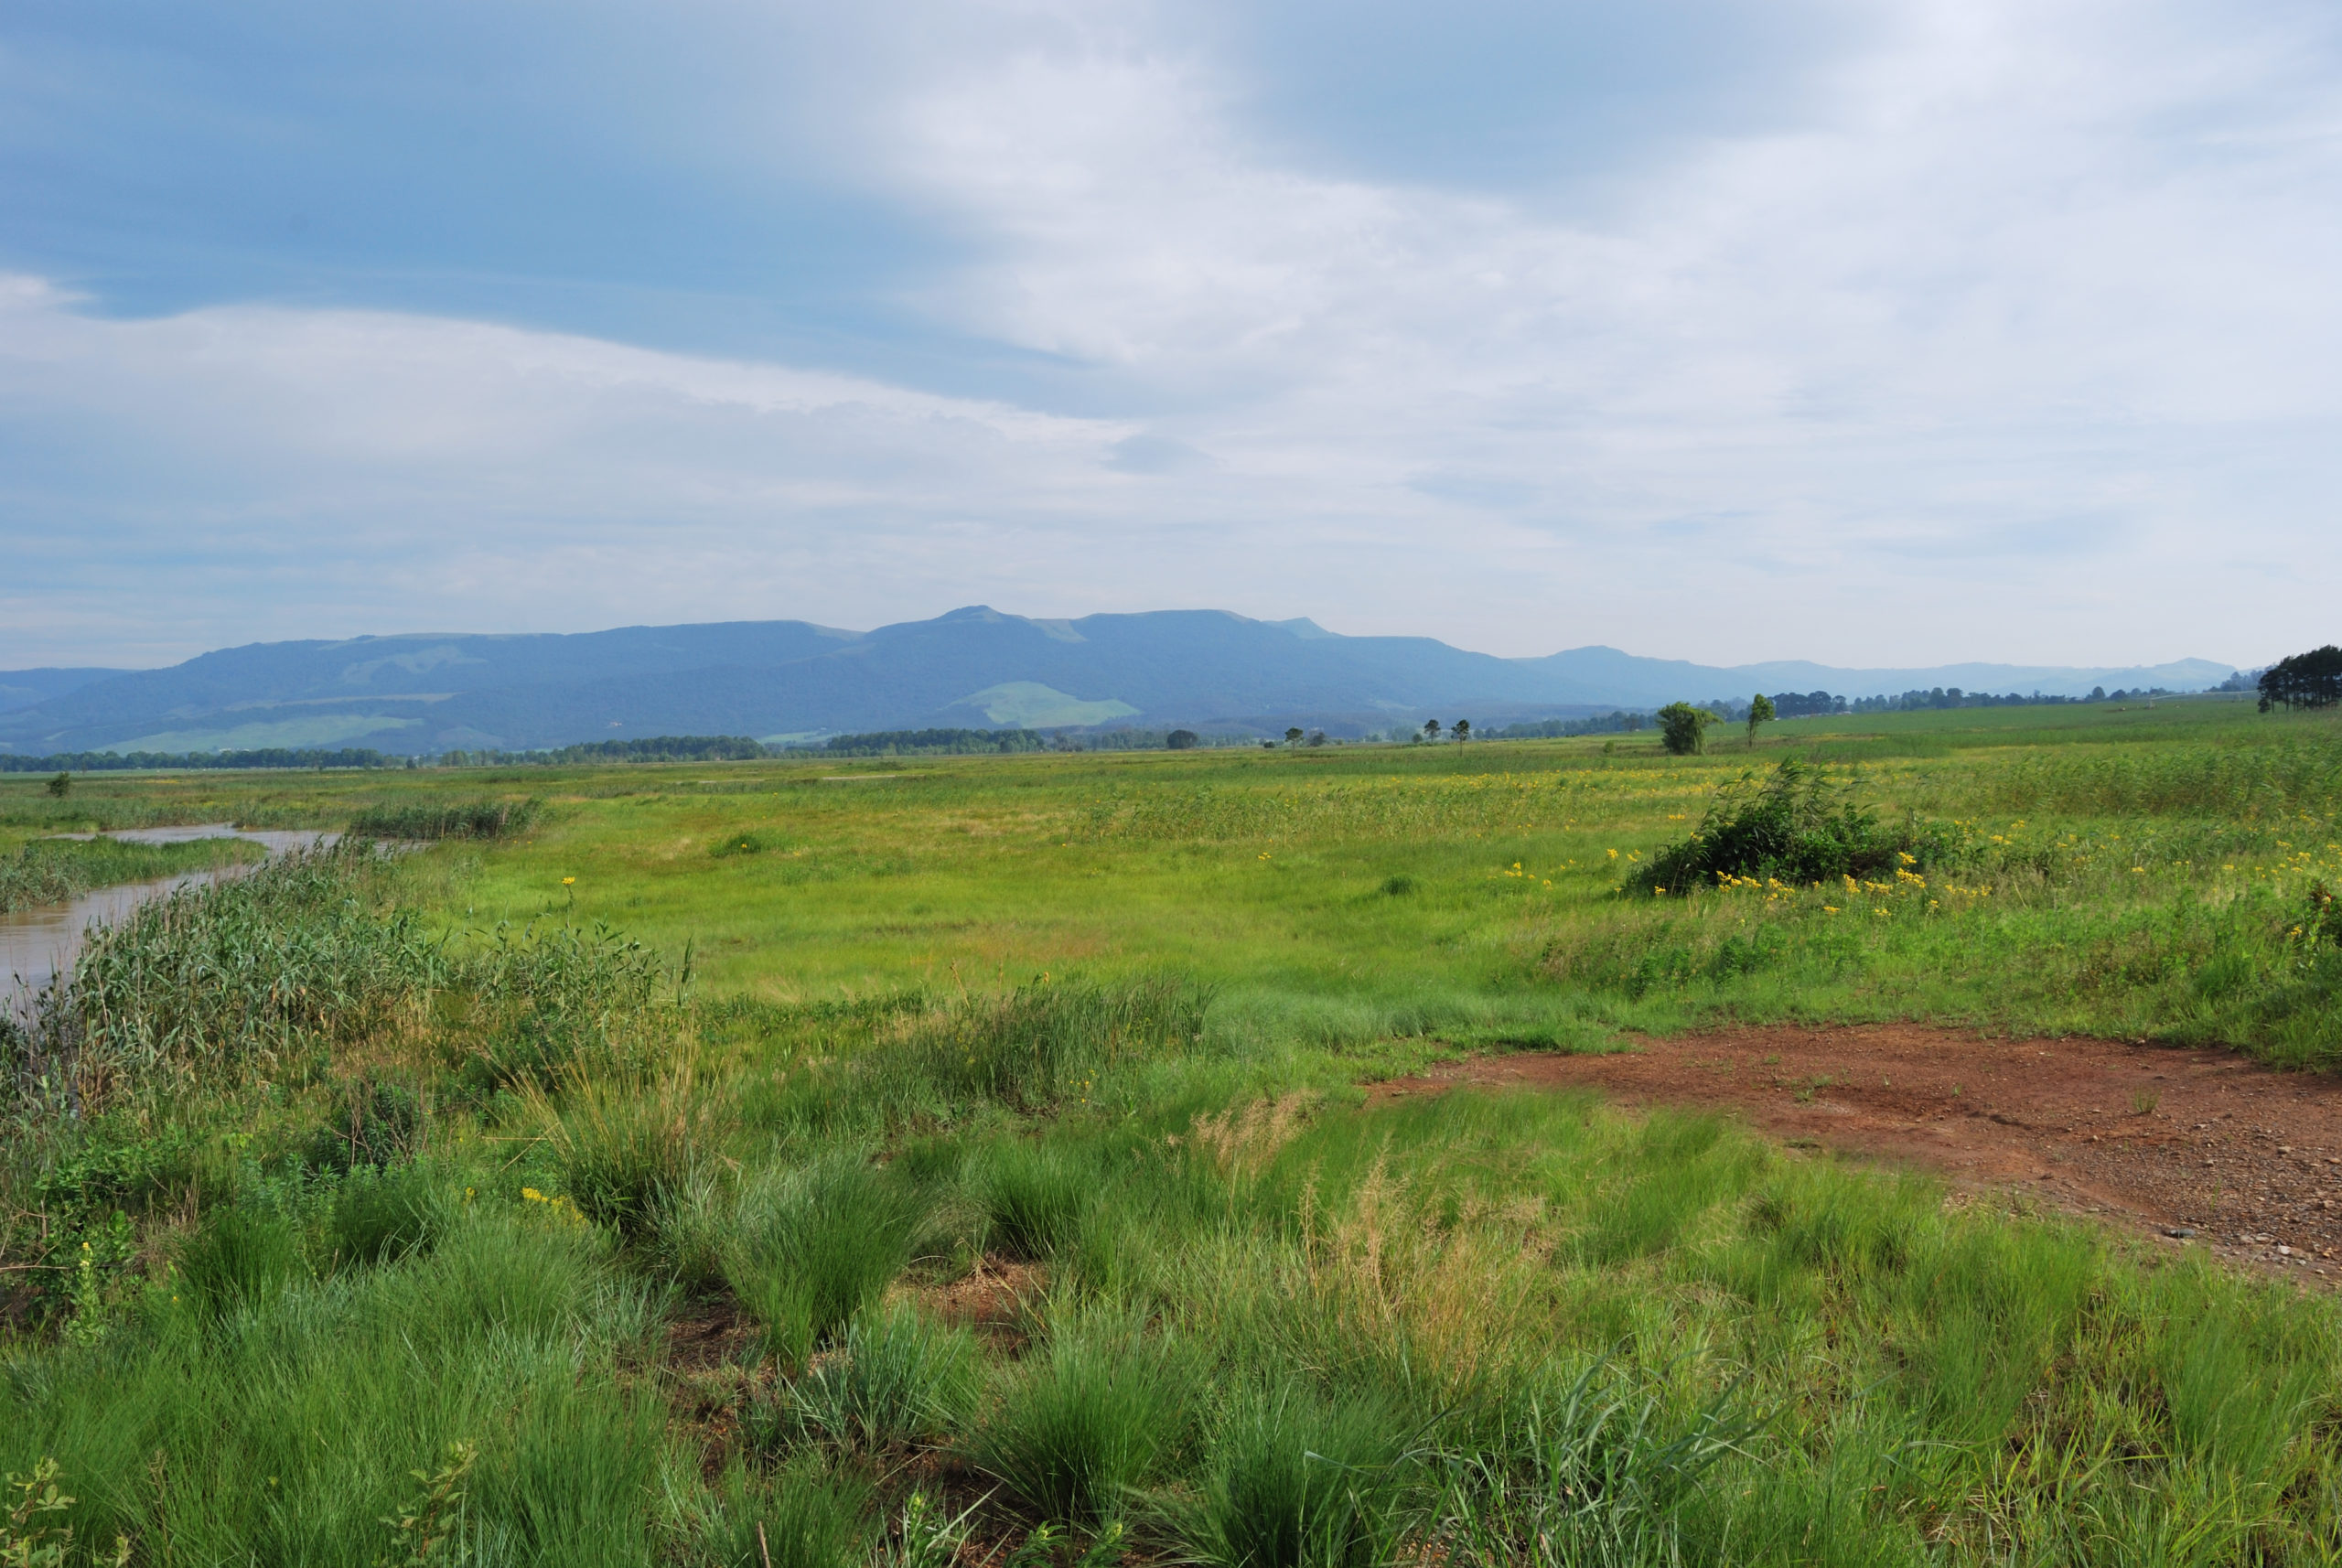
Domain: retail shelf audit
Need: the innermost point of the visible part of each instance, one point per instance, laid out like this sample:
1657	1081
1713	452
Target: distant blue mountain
973	668
24	688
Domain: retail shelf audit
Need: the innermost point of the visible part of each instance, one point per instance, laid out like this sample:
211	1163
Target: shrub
898	1378
813	1245
1077	1431
1297	1482
1797	825
1684	729
372	1124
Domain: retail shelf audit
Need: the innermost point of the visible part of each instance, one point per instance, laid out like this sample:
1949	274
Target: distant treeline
270	757
1619	722
2312	679
927	743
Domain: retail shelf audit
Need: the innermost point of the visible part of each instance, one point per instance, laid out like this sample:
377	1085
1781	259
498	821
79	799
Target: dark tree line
2312	679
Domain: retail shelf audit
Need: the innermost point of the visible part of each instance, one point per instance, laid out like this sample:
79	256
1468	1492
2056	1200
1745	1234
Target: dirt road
2196	1147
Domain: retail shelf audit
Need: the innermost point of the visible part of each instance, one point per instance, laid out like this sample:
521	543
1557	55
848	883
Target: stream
45	939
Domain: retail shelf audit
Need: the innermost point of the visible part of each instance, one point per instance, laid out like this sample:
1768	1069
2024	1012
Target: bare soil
2194	1148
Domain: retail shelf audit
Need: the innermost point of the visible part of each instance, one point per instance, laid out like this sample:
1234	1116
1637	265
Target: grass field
599	1186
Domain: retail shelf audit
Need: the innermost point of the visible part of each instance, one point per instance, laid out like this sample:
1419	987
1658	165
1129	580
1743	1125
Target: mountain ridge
421	692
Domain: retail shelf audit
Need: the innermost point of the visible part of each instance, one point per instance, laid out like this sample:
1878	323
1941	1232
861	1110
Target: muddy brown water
43	939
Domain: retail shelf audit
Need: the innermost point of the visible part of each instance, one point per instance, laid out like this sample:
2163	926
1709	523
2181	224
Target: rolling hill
974	667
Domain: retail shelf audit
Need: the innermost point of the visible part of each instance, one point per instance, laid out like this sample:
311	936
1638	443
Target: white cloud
2017	344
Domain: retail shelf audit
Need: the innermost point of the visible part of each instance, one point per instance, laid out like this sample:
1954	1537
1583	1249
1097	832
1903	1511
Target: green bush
816	1245
1798	825
372	1124
1684	729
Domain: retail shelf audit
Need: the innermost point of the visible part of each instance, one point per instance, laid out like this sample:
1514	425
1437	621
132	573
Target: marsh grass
426	821
813	1245
1097	1026
51	871
1079	1427
897	1378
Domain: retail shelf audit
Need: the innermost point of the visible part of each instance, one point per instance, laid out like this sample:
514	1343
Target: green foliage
815	1245
390	1212
1593	1477
1761	711
239	1257
1684	729
1296	1481
1035	1196
372	1122
1797	823
61	786
1082	1424
803	1517
896	1378
2312	679
422	821
51	871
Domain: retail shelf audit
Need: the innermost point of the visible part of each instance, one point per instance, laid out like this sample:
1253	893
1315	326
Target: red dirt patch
2246	1158
989	1298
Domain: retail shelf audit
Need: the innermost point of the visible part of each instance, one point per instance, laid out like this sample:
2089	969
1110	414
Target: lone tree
1761	711
1463	731
2312	679
64	781
1430	729
1293	735
1684	729
1180	740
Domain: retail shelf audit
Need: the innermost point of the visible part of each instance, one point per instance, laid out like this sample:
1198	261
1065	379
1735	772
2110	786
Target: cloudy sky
1724	329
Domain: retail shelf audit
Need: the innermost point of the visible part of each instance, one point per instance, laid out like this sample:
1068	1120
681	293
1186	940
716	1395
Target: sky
1876	334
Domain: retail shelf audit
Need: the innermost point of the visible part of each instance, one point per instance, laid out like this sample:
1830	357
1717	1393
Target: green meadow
608	1179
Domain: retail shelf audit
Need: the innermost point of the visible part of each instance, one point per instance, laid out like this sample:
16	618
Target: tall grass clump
1049	1041
896	1378
1298	1481
803	1515
51	871
1591	1477
1035	1195
1078	1428
424	820
815	1245
1797	825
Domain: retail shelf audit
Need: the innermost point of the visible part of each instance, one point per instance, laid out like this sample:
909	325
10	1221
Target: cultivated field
811	1163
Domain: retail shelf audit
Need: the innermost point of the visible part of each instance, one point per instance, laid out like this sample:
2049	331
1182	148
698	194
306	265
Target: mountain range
973	668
